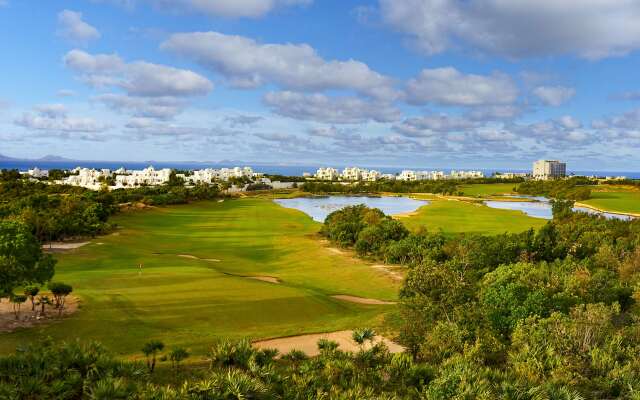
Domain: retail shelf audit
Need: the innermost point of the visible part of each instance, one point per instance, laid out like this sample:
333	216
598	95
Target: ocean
287	170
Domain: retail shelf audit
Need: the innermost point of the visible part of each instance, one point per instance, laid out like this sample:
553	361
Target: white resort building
549	169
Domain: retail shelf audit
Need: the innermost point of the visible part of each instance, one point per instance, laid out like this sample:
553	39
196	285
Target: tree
42	302
150	350
17	301
31	292
60	292
21	258
176	356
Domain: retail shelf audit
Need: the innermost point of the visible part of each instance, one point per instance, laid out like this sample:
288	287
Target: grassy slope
624	201
460	216
192	302
483	190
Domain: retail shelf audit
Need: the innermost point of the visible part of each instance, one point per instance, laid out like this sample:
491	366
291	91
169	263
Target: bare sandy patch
29	318
361	300
309	343
192	257
62	246
395	275
269	279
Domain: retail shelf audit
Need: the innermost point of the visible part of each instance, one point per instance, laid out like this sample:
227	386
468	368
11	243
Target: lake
540	207
319	207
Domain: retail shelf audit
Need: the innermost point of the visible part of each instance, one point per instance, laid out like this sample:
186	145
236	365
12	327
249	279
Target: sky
411	83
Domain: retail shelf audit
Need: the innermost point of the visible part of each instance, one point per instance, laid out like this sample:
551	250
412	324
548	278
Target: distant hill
52	158
5	158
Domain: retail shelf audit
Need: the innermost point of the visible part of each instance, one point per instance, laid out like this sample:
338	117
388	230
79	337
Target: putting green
452	216
190	301
623	201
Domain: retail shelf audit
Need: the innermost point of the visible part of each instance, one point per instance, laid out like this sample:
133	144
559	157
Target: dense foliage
552	311
55	212
572	189
442	187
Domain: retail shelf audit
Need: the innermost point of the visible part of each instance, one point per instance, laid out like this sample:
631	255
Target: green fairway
460	216
191	302
627	201
489	189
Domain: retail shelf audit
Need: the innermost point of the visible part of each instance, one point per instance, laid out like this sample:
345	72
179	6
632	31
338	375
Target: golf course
620	199
183	275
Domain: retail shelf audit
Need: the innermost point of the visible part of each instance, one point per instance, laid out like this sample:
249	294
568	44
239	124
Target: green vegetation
144	283
451	216
577	188
623	201
487	189
550	313
442	187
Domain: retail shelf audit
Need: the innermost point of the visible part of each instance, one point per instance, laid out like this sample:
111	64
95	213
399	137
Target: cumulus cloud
138	78
73	28
337	110
448	86
591	29
249	64
243	120
433	124
55	118
150	107
554	95
625	126
560	132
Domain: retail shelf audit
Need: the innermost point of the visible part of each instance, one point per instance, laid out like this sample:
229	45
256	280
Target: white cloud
150	107
248	64
65	93
138	78
54	118
554	95
433	124
448	86
73	28
321	108
591	29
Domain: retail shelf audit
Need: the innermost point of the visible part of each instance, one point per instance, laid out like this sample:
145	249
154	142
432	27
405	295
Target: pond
540	207
319	207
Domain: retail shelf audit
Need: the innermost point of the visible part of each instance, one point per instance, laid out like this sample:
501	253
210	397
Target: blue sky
422	83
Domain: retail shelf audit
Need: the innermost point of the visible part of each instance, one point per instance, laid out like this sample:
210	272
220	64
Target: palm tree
176	356
150	350
361	336
17	301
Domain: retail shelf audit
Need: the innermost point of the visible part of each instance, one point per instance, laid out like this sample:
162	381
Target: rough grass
489	189
623	201
191	302
460	216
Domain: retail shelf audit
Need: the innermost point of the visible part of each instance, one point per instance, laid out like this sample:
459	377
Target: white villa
327	174
354	174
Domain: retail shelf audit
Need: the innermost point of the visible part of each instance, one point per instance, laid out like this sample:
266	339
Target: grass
460	216
623	201
191	302
489	189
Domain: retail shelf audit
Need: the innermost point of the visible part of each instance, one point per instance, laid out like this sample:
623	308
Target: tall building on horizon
549	169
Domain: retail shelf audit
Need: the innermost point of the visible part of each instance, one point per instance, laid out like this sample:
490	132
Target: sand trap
308	343
336	251
189	256
361	300
28	318
395	275
270	279
62	246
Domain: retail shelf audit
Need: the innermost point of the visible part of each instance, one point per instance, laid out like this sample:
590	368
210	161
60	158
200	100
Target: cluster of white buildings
360	174
122	178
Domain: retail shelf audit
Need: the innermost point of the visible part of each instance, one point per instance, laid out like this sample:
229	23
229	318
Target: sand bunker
62	246
395	275
361	300
269	279
309	343
196	258
28	318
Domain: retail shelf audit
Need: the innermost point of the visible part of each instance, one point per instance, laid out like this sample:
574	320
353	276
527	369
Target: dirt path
192	257
28	318
269	279
309	343
362	300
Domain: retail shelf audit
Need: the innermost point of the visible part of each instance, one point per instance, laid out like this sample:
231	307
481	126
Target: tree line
551	313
